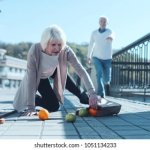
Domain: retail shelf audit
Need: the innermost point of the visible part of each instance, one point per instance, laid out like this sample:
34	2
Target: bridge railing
131	67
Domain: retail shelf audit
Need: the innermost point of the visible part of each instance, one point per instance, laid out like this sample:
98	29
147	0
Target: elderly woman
48	59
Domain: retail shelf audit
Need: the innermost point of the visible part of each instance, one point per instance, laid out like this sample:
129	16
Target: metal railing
131	67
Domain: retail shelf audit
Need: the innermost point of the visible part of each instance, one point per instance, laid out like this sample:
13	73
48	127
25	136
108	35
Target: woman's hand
29	112
93	100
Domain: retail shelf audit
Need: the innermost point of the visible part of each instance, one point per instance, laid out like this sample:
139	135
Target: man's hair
53	33
103	17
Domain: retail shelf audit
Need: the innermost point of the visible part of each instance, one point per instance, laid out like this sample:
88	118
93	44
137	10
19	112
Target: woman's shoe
84	99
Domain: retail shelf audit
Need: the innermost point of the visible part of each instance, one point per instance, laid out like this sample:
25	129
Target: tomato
92	111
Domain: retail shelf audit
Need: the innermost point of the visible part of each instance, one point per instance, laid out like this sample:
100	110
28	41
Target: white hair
103	17
53	33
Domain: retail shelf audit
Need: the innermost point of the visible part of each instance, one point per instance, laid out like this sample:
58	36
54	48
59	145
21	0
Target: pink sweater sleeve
79	69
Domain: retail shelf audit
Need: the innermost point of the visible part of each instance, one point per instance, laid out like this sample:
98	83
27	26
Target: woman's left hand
29	112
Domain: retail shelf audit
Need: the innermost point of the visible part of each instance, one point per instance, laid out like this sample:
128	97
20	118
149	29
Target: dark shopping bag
107	108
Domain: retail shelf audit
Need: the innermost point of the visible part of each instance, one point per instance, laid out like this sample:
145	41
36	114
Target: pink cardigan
25	96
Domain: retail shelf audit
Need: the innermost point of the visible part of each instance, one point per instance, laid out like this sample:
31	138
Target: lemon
70	117
83	112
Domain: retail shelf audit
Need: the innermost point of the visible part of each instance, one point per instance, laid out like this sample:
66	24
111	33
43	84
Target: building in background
12	70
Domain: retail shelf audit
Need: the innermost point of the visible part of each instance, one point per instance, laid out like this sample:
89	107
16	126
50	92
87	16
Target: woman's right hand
93	101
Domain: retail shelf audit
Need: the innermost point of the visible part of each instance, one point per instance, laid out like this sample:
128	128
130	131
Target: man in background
100	53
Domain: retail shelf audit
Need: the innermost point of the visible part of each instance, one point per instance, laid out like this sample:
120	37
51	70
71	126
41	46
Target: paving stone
25	128
80	124
90	137
59	132
137	137
146	127
85	129
126	128
85	133
18	137
59	128
60	137
108	122
133	132
22	133
111	136
28	122
133	122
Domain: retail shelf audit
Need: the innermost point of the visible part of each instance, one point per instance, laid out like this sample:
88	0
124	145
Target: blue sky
24	20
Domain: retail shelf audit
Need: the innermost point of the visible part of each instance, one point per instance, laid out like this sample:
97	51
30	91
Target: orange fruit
2	120
92	111
43	114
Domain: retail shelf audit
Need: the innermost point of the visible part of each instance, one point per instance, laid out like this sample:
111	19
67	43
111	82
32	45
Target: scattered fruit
92	111
70	117
2	120
82	112
43	114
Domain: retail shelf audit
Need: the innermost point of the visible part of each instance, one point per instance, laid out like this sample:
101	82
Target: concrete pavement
133	122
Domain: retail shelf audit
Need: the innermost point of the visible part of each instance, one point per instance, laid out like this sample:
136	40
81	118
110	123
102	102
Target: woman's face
53	48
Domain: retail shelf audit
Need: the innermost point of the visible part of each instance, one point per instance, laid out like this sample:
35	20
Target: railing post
144	93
